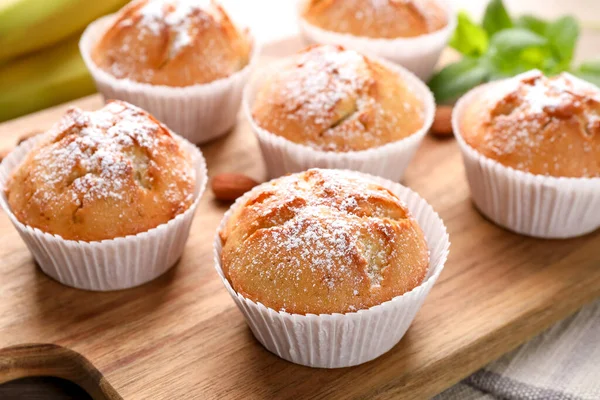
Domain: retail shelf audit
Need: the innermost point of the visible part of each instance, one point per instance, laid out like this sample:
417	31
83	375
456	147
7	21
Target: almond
28	135
228	187
442	123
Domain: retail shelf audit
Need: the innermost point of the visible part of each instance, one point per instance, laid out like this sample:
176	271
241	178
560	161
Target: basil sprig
503	46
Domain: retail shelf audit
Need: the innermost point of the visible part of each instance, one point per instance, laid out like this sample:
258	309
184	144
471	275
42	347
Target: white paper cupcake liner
115	264
533	205
419	54
343	340
199	112
388	161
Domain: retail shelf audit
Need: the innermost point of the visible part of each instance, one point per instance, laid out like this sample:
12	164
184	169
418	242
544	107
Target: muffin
540	125
172	43
104	199
531	146
102	174
330	267
333	99
412	33
324	101
334	245
184	61
388	19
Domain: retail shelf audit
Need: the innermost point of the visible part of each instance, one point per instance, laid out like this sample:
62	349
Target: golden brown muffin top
172	43
545	126
322	242
386	19
102	174
334	99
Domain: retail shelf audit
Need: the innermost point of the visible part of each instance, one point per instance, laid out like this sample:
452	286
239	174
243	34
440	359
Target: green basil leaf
456	79
590	67
532	23
516	50
510	42
534	56
591	78
589	71
506	67
551	66
496	18
469	38
562	35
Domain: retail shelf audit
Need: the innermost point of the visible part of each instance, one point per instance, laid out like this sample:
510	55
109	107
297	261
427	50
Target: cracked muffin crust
102	174
386	19
540	125
333	99
322	242
172	43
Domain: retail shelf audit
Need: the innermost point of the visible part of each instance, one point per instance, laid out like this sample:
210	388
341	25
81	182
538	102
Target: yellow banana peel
43	79
30	25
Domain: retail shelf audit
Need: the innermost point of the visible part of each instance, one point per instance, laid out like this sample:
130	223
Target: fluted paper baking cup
418	54
199	112
534	205
114	264
389	161
344	340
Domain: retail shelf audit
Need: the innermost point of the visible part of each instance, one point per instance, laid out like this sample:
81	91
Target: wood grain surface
181	337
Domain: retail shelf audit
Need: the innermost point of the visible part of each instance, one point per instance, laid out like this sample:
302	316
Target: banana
29	25
43	79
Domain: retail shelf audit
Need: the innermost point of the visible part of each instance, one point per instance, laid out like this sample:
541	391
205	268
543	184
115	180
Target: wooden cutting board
50	372
181	336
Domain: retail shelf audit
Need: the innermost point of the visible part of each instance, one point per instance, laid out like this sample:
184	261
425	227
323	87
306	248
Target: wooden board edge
42	359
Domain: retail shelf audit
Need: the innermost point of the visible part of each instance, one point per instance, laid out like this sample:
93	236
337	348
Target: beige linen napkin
563	363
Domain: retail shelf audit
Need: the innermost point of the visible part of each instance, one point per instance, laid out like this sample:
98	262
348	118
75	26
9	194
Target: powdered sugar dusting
325	227
172	43
547	94
335	99
102	174
322	80
97	161
379	18
331	230
175	15
535	122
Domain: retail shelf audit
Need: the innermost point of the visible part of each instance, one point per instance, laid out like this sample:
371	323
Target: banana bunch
40	65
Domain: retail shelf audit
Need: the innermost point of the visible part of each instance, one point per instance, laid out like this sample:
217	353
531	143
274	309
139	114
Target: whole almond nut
228	187
442	123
